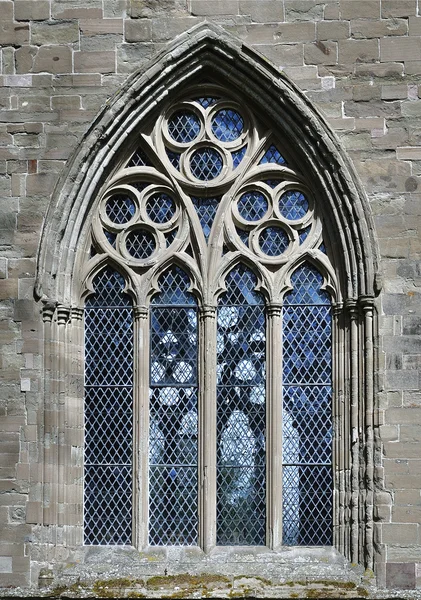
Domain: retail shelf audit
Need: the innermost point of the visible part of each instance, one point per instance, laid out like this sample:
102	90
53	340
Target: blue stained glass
120	208
206	209
307	281
252	206
108	412
240	284
139	159
140	243
174	285
206	164
184	126
243	235
273	241
273	182
237	156
322	248
206	101
109	286
227	125
293	205
111	237
241	412
272	155
160	207
307	420
174	158
303	234
170	237
173	515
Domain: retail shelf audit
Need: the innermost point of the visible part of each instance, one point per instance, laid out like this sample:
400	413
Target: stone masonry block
414	26
137	30
11	34
304	10
214	7
363	28
6	10
263	11
360	9
400	576
333	30
95	62
399	534
165	28
283	54
32	10
65	32
403	48
295	32
53	59
91	27
321	53
353	51
400	8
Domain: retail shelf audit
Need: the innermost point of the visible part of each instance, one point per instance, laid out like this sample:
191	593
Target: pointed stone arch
207	53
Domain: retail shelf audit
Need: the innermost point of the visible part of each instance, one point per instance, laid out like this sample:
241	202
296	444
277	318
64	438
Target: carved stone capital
207	312
274	310
48	310
140	312
77	313
366	303
352	308
63	314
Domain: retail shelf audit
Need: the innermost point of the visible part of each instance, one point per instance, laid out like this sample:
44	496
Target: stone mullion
207	428
368	309
354	397
338	423
140	510
274	426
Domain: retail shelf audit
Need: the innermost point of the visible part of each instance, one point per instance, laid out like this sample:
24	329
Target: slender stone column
338	426
141	426
274	425
354	380
63	314
207	428
368	308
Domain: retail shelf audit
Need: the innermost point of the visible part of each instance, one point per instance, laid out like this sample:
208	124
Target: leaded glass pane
227	125
206	209
173	413
139	159
238	155
252	206
272	155
120	209
140	243
160	207
108	412
293	205
206	164
241	459
184	126
273	241
307	419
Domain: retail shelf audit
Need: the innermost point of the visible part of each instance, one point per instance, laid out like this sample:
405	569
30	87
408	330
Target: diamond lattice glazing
139	159
272	155
184	126
206	164
238	155
241	455
173	413
293	205
120	209
273	241
227	125
140	243
252	206
160	207
108	412
307	420
206	209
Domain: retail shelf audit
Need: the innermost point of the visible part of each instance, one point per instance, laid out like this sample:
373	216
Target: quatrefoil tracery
215	168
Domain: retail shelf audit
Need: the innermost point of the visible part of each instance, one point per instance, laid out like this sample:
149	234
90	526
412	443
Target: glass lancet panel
108	412
241	412
173	413
206	210
307	418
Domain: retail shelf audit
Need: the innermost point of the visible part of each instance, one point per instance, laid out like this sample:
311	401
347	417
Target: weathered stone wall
359	62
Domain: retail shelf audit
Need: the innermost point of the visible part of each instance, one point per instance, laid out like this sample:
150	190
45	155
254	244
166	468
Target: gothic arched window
208	350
